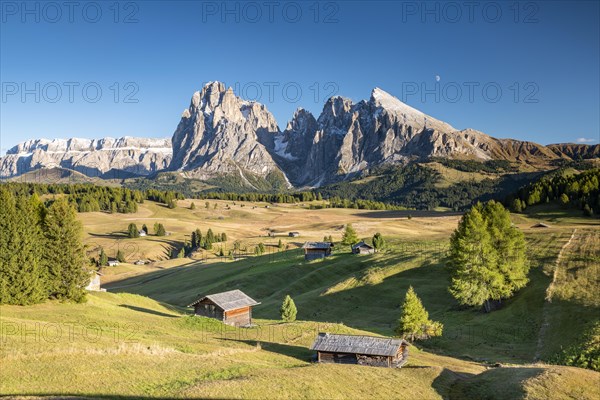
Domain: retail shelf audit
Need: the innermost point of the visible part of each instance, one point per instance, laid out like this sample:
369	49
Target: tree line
91	198
42	254
579	191
199	241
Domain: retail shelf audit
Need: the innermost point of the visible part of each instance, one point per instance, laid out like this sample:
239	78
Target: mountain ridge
221	135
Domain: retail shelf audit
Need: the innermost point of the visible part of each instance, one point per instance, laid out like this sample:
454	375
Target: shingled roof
354	344
231	300
317	245
361	244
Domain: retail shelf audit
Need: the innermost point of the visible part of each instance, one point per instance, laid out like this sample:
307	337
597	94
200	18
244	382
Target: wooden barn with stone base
362	350
232	308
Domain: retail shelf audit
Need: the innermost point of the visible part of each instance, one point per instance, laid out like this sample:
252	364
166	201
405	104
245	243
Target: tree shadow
495	383
149	277
298	352
406	214
79	395
148	311
443	384
113	235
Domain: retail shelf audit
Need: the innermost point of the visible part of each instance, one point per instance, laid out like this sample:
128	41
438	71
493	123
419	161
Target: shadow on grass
114	235
148	311
496	383
79	395
445	381
298	352
406	213
145	278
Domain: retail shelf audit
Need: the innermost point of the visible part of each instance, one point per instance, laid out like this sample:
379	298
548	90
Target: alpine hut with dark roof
362	350
362	248
316	250
233	307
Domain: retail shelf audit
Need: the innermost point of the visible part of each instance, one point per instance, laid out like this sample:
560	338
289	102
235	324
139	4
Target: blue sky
525	70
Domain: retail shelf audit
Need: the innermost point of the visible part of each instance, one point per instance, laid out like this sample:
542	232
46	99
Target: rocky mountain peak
300	121
220	134
107	157
406	114
223	134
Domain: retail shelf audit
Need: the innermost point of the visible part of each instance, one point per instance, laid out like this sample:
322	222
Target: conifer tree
509	244
132	231
288	309
120	256
564	200
210	237
64	252
349	237
378	241
414	322
23	278
103	258
192	206
487	257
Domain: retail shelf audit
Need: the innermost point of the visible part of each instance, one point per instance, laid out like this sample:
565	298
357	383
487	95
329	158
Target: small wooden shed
94	284
232	308
316	250
362	350
541	225
362	248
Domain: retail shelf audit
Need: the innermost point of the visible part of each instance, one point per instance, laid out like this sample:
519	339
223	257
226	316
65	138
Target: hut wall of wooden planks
362	248
362	350
317	250
233	307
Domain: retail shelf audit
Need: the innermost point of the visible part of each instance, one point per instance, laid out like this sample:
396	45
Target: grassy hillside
134	347
529	382
365	293
136	341
248	223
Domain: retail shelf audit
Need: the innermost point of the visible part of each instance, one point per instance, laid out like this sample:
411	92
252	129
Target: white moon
437	78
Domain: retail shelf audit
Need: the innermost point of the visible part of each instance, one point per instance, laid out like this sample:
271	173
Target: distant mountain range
104	158
222	136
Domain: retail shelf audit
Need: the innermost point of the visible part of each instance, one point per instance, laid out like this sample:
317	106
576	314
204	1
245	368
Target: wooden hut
94	284
316	250
362	350
541	225
232	308
362	248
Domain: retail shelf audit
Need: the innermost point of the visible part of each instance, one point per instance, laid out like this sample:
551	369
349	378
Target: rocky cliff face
221	134
107	158
576	151
348	139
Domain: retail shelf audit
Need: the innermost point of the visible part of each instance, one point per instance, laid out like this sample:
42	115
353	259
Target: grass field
137	341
